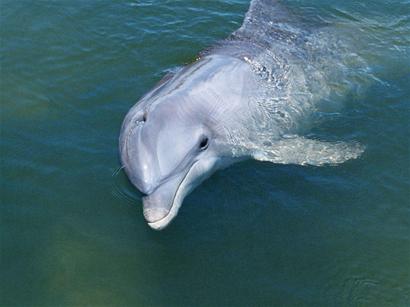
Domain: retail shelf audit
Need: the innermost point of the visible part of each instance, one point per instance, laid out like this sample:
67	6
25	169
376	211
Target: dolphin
250	96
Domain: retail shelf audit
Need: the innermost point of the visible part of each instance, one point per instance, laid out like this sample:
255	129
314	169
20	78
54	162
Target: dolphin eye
204	143
144	117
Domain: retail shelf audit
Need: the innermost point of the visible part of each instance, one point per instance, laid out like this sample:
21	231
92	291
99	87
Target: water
72	230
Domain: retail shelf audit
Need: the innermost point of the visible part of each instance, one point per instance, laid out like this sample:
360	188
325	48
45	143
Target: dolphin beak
162	205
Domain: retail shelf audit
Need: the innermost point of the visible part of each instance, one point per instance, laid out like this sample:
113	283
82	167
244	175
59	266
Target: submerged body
249	97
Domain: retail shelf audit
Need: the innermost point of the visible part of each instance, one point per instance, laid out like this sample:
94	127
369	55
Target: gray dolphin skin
250	96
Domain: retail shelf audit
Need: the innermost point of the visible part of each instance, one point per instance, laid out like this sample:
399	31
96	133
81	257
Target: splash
297	80
303	151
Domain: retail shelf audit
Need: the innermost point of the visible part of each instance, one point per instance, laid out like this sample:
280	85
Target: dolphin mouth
161	206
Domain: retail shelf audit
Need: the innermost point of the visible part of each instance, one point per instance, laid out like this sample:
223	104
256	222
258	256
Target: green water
72	230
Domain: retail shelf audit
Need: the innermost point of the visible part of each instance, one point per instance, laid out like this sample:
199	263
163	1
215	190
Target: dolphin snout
153	214
158	206
144	188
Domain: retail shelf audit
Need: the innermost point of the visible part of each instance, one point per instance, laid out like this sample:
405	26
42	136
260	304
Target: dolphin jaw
159	217
163	222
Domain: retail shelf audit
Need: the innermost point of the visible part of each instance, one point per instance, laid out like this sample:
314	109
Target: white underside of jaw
176	204
158	225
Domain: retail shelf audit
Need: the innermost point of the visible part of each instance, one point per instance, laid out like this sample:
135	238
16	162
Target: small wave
121	188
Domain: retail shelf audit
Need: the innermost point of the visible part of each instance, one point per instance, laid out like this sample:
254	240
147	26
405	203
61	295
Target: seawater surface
72	230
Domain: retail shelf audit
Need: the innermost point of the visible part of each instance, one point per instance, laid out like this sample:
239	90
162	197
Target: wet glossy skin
176	136
251	95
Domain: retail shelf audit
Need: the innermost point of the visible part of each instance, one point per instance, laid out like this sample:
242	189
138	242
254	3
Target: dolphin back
293	62
268	22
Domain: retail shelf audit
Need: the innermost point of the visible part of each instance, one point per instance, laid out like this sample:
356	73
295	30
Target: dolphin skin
250	96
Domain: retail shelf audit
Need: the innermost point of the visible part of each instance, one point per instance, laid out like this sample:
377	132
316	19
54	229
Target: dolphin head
177	135
166	151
